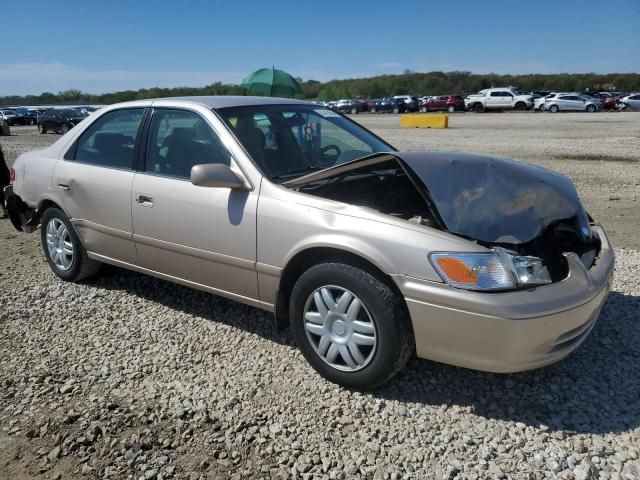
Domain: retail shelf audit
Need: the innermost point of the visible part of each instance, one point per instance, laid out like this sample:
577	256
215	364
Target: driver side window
180	139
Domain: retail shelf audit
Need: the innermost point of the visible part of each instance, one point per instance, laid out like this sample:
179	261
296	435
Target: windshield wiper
298	172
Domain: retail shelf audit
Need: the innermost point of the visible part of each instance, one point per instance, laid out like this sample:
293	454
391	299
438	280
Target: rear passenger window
110	140
180	139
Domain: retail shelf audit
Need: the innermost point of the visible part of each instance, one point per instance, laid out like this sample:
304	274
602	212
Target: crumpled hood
495	199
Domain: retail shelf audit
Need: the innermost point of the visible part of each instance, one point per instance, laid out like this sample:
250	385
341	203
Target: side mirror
217	175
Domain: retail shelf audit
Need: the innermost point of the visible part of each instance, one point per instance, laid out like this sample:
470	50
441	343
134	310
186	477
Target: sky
105	46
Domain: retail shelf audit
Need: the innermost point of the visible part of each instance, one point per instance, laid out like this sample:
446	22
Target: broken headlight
497	270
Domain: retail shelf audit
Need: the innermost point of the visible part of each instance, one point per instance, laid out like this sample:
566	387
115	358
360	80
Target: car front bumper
510	331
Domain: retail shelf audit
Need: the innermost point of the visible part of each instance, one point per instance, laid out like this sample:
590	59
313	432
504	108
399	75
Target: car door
203	235
494	100
94	183
506	101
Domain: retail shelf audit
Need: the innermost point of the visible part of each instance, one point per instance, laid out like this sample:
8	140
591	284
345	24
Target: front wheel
478	108
591	108
350	326
451	108
64	129
520	107
41	128
554	108
65	253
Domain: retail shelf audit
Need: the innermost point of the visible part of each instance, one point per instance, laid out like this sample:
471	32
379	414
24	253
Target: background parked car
631	101
350	106
59	121
395	105
505	98
9	115
410	102
612	102
449	103
571	102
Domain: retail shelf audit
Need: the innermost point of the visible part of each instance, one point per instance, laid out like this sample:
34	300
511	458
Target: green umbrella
272	82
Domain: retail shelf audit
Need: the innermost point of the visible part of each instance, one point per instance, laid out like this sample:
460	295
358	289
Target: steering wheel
328	148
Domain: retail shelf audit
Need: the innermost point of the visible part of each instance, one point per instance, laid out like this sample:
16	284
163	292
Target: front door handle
63	186
144	200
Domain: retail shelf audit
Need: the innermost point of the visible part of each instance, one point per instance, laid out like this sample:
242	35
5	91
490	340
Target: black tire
520	107
373	109
394	334
82	267
41	128
451	108
32	122
396	110
64	129
554	109
478	108
591	108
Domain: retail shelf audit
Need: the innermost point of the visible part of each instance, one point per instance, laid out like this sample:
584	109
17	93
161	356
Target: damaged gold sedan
368	253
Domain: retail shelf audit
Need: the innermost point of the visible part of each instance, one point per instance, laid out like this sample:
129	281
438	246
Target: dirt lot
126	376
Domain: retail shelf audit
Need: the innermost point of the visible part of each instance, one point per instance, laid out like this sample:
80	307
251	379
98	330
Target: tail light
12	174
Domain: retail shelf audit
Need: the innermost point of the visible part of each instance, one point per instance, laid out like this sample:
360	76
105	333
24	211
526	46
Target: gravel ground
127	376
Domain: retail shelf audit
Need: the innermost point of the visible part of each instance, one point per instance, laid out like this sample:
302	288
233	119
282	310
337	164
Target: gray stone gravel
127	376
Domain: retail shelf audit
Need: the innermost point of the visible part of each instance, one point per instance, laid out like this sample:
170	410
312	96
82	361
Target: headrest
108	140
186	133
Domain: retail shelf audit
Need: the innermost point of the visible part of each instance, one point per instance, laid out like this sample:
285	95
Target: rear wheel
65	128
451	108
350	326
554	108
65	253
396	110
41	128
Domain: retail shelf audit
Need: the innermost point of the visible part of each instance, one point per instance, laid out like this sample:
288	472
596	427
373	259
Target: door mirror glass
217	175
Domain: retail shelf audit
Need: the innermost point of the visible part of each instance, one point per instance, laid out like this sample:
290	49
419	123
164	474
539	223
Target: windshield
288	141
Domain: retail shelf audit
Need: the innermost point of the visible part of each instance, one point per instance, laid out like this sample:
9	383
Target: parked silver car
562	102
631	101
370	254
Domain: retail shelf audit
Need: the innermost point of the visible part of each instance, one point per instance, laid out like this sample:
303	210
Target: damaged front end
528	217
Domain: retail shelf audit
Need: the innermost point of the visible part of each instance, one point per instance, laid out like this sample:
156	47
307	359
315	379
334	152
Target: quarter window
110	140
180	139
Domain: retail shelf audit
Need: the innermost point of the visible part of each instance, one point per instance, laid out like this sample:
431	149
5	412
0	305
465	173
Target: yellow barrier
424	121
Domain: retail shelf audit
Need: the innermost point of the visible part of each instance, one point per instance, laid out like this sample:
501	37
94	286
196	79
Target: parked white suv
499	99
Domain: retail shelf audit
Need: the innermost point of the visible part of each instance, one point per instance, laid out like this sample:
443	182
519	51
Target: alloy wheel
339	328
59	244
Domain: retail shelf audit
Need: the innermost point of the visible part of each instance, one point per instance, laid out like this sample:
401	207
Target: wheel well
306	259
44	204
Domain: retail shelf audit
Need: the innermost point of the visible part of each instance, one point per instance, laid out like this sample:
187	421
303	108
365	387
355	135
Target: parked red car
611	102
449	103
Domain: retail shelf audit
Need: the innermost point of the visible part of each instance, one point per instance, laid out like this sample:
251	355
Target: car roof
224	101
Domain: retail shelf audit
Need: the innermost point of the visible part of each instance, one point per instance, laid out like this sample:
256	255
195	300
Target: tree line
408	83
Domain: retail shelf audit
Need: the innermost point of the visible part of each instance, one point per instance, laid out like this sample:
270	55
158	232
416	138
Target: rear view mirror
217	175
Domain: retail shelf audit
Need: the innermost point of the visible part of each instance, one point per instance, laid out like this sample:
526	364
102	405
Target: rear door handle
144	200
63	183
